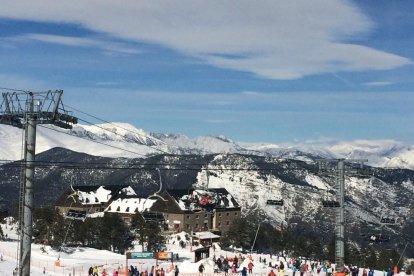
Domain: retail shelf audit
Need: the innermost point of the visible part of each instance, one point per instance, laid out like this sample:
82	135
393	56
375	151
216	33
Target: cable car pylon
340	210
25	110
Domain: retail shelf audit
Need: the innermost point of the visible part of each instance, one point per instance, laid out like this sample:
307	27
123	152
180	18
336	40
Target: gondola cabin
275	202
330	203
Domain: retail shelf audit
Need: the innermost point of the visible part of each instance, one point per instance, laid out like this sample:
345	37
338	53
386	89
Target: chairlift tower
26	110
340	209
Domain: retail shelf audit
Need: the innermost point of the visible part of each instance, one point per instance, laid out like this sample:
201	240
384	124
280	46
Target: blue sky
254	71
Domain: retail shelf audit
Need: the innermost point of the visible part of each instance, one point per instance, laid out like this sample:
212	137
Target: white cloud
78	42
378	83
272	39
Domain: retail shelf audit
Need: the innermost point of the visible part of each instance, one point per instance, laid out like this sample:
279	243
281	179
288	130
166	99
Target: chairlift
75	214
377	238
387	219
330	203
274	202
277	202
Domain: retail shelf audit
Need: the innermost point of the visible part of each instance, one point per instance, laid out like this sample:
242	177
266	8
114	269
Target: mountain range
252	173
125	140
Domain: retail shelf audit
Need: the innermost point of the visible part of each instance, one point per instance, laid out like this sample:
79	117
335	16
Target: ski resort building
93	201
197	210
191	210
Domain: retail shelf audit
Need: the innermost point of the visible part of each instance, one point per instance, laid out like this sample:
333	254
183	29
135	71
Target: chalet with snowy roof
197	210
91	199
128	206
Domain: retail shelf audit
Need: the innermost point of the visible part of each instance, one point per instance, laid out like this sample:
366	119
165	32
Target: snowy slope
77	260
122	141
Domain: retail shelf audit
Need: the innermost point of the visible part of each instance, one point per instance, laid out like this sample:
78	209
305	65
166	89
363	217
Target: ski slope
76	261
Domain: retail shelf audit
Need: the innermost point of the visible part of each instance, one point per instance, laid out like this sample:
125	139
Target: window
227	214
196	226
188	217
227	222
109	208
219	224
136	210
188	226
220	215
127	209
205	225
196	216
235	214
118	209
205	215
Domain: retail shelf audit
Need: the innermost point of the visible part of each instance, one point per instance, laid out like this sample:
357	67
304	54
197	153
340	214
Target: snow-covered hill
125	140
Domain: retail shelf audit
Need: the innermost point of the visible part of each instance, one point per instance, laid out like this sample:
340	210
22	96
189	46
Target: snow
101	195
79	259
125	140
130	205
205	235
316	181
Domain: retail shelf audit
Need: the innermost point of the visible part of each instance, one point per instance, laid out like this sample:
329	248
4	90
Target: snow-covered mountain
125	140
380	153
371	193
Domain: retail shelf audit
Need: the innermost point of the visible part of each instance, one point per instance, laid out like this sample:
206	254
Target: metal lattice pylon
25	110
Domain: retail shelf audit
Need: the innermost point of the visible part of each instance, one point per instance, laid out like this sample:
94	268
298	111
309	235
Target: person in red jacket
271	273
250	267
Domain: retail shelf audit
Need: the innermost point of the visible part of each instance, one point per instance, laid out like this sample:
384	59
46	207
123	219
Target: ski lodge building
192	210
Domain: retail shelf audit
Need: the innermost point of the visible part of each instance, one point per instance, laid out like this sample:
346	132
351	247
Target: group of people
154	271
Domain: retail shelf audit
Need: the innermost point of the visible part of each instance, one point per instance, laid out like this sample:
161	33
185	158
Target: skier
371	272
250	266
244	272
201	269
271	273
90	271
281	267
225	267
176	271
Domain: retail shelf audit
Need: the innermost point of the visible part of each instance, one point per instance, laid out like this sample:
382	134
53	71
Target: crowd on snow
234	264
133	271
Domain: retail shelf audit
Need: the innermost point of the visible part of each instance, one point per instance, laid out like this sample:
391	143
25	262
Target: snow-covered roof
130	205
101	194
205	235
200	199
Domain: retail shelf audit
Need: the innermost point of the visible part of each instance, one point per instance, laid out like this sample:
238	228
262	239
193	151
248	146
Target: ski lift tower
25	110
340	209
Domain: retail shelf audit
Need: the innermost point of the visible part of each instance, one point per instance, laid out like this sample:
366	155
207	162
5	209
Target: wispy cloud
379	83
252	93
271	39
78	42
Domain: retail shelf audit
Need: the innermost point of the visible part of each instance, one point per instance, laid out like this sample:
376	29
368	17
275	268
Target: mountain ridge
125	140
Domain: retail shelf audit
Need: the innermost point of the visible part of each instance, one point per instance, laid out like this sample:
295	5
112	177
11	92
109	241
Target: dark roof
202	249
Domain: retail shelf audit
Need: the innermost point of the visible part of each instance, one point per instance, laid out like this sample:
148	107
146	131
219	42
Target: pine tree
1	234
330	250
138	229
113	233
371	258
155	239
